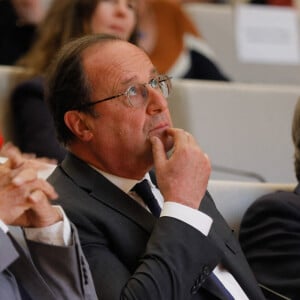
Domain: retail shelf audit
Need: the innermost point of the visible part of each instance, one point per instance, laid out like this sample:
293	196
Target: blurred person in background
67	19
270	234
275	2
172	42
18	23
44	260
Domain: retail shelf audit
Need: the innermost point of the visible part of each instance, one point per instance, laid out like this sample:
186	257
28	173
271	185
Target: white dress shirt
57	234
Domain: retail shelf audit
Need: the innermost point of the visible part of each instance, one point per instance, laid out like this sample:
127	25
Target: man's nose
157	102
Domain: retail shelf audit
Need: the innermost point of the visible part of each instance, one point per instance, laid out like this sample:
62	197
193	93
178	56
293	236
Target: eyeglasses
137	95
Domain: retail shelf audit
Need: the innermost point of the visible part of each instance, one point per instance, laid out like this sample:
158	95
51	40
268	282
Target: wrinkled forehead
116	61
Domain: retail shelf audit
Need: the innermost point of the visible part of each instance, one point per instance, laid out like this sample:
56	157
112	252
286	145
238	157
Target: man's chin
167	141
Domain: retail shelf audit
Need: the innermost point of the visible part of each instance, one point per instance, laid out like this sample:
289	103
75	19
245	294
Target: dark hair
296	139
67	87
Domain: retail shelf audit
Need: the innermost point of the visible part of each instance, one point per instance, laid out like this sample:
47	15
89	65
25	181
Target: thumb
158	151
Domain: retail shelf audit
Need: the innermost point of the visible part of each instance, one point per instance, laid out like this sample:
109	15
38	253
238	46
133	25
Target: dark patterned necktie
143	189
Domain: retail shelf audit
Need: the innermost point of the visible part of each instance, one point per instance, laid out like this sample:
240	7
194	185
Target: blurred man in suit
270	234
46	262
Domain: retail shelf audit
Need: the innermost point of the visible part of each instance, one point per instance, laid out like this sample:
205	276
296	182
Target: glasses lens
165	85
154	83
137	95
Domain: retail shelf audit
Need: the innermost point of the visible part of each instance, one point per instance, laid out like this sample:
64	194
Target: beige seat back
232	198
242	127
9	78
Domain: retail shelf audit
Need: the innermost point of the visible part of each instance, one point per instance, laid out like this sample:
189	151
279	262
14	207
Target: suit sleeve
64	269
270	238
8	253
172	267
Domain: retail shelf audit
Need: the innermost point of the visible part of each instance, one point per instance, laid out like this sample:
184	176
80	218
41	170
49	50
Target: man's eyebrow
134	78
153	72
129	80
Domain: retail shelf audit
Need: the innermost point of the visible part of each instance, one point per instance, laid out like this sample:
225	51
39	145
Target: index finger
13	154
179	135
48	189
23	176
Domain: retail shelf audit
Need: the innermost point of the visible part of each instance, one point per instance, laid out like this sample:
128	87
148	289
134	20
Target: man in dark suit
110	110
270	234
45	261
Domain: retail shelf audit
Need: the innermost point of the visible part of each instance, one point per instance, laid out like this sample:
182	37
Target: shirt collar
124	184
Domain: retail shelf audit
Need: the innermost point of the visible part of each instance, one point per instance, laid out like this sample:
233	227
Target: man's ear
78	124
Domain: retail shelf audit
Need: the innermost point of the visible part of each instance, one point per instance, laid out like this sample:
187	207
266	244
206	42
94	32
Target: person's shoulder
278	197
270	216
32	85
37	82
280	203
167	3
166	7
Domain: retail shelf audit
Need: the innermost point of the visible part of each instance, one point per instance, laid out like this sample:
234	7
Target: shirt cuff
193	217
3	226
57	234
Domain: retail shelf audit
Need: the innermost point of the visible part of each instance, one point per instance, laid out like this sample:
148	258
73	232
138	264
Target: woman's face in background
116	17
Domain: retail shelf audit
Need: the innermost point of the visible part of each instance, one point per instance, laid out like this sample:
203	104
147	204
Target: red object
280	2
1	140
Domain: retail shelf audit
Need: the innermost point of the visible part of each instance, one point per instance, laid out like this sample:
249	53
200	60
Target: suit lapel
9	288
17	234
8	253
101	189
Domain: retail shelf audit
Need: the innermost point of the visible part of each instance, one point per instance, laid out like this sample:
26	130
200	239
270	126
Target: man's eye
132	91
154	83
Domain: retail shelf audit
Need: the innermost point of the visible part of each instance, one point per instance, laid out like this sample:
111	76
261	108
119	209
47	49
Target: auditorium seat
244	128
9	77
232	198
